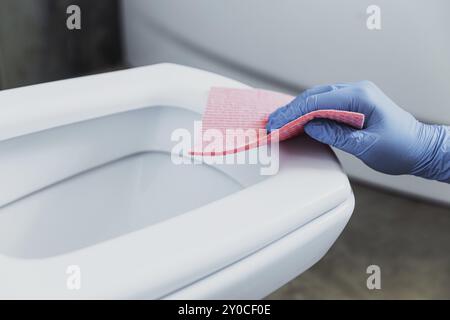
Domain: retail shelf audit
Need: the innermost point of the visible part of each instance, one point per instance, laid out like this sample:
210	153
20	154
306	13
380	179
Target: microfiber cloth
232	109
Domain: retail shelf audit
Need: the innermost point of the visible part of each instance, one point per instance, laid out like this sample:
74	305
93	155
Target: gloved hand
392	140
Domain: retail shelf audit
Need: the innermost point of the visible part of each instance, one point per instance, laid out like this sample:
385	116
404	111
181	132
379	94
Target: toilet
93	207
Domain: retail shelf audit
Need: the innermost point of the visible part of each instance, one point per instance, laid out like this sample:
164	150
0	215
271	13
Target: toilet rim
197	242
74	100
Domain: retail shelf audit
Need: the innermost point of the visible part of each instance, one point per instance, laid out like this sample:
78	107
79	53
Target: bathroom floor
408	239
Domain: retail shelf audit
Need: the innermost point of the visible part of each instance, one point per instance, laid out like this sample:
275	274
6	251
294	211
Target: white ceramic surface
87	180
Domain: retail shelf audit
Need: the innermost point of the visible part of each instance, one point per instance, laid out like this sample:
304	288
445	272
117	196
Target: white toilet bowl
91	205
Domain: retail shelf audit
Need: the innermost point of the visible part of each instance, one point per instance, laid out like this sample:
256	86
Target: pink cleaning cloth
231	109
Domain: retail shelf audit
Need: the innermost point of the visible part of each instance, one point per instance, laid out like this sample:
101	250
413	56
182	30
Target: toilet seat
308	202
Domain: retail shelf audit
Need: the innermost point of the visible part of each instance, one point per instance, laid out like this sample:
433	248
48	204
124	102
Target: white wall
292	44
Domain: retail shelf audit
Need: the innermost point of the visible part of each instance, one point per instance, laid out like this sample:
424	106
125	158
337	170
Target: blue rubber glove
392	140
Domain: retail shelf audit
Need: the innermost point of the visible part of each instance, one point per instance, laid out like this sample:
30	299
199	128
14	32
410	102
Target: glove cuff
435	164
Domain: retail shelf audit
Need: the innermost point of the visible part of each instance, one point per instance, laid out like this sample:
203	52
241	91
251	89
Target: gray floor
409	240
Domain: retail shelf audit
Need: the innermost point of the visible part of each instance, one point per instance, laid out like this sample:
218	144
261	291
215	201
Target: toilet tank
292	45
